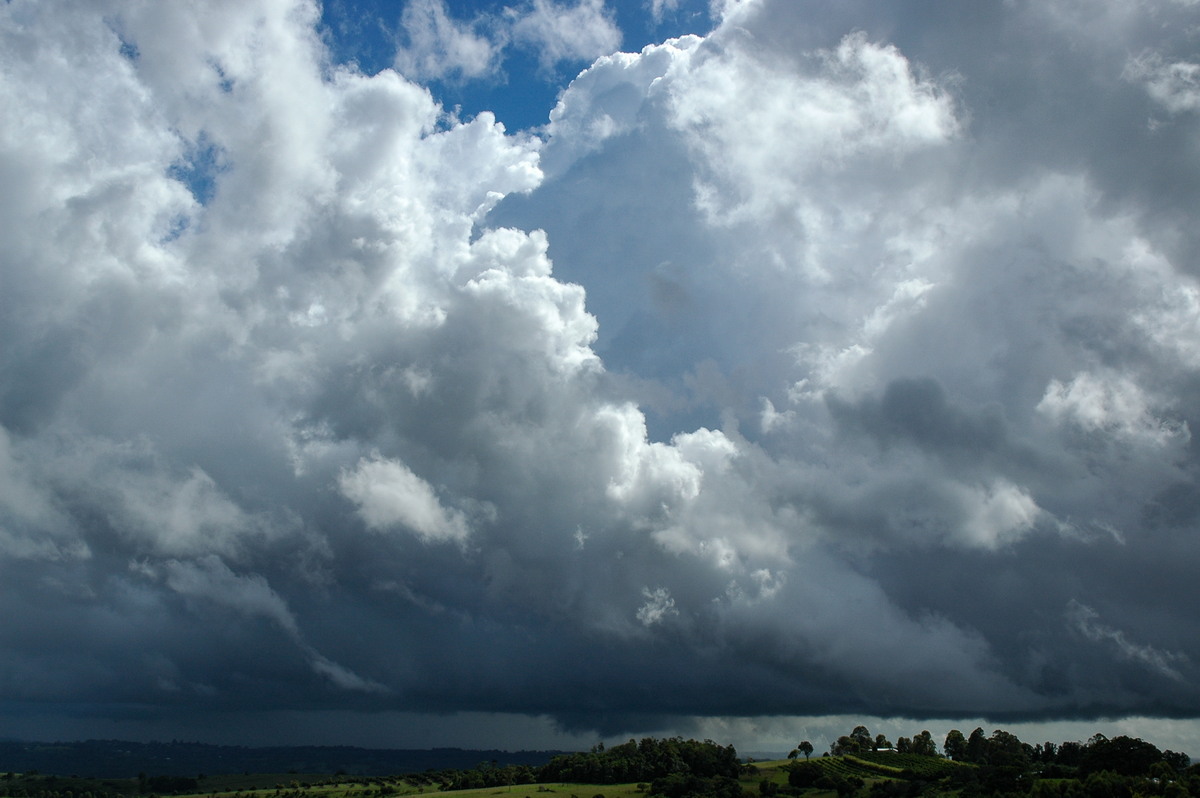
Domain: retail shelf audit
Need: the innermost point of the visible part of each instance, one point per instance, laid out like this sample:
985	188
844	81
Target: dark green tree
804	774
1106	784
1006	750
1128	756
643	761
843	745
862	738
955	745
1070	754
977	747
924	745
1176	760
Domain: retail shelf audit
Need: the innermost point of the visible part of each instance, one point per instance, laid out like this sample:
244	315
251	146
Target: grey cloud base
839	361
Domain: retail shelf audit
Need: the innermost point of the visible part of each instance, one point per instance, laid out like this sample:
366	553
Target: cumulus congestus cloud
834	361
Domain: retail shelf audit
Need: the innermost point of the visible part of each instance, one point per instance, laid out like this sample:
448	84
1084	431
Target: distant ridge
121	759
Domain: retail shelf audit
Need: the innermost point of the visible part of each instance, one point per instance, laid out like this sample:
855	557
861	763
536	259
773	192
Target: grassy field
777	772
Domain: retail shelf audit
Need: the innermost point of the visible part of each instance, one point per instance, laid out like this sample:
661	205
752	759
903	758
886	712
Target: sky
525	374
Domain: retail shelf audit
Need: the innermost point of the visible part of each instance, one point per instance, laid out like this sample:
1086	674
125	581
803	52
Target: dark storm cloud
916	411
884	407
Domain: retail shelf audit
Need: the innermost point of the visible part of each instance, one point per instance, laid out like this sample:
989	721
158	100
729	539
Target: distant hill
120	759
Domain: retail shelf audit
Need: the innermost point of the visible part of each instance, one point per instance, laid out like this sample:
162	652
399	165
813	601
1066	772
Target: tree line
664	764
999	764
1122	754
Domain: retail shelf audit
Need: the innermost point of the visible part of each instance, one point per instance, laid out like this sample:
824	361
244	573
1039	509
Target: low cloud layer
843	360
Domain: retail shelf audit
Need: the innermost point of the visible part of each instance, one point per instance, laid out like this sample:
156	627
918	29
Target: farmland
858	766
